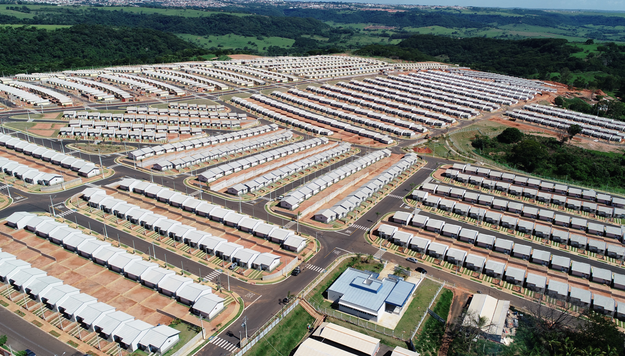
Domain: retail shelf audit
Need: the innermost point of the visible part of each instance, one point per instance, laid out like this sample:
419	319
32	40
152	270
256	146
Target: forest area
27	49
553	158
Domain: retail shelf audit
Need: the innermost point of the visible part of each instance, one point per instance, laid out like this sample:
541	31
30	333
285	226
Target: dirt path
457	304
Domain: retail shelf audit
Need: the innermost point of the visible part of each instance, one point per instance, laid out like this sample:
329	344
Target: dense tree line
212	24
27	49
603	107
480	18
529	58
548	157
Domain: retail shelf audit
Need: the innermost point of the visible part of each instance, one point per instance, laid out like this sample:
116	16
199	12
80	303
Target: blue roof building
361	293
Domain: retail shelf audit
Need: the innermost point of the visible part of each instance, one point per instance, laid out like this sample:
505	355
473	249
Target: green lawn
429	339
285	336
422	298
237	41
22	126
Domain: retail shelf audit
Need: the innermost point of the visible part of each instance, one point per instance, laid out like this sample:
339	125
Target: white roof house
119	262
226	250
58	294
245	257
10	268
92	313
131	333
75	303
152	277
25	277
136	269
172	283
266	261
159	339
111	323
190	293
208	306
41	286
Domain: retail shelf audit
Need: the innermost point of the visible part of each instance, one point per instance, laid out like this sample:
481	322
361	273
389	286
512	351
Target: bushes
510	135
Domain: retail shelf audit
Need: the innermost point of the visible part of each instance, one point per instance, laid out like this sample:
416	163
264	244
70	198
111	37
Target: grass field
429	339
236	41
422	298
285	336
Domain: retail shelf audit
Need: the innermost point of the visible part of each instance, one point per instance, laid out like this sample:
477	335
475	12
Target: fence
287	269
184	350
425	313
265	329
65	185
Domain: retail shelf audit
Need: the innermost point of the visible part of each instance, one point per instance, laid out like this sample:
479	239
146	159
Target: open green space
101	148
21	126
429	339
422	298
285	336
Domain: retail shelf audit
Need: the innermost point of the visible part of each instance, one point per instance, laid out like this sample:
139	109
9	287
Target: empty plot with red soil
93	279
74	263
41	262
122	303
139	293
338	134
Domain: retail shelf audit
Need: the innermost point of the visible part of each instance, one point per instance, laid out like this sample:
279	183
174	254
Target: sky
609	5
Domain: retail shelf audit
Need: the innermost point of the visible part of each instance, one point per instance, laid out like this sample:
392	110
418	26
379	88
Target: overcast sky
610	5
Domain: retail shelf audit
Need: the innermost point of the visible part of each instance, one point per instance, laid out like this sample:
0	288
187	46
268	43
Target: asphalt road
23	335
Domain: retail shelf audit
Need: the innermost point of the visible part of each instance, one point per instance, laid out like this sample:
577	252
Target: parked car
421	270
411	259
296	271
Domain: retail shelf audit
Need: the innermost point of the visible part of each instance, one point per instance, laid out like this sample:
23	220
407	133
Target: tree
574	130
559	101
464	332
400	271
528	153
510	135
3	340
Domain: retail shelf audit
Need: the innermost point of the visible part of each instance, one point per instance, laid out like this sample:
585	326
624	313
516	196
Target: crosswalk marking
212	276
65	213
224	344
395	196
314	268
356	226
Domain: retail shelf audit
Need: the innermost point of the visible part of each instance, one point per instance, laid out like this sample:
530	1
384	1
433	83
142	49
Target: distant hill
27	49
